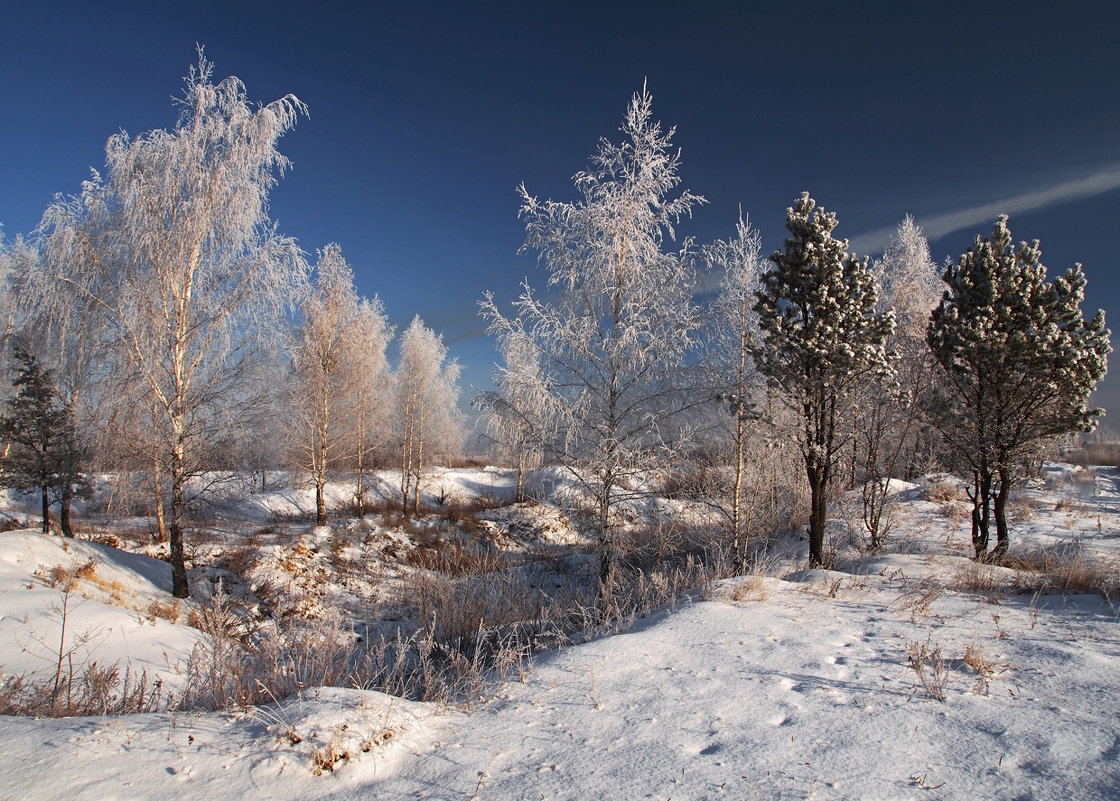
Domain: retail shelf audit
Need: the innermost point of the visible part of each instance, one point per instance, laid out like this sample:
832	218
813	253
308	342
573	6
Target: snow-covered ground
910	674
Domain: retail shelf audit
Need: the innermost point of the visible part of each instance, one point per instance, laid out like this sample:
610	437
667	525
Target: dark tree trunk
46	509
64	514
605	544
818	485
981	513
180	588
1002	534
320	505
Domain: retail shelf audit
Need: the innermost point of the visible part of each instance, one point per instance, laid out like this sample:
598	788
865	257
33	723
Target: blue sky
425	117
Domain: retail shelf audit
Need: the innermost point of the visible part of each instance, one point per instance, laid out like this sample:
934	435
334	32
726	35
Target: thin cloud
939	225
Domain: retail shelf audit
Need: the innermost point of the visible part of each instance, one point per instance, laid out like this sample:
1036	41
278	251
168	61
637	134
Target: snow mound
117	609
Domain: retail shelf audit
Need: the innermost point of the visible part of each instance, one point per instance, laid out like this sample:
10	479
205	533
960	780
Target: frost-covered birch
427	392
739	263
369	395
891	435
513	421
174	246
17	260
319	369
617	324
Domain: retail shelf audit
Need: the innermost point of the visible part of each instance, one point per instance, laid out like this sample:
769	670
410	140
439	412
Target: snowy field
911	674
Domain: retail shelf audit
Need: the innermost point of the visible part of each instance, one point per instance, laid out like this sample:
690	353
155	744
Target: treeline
166	324
811	360
166	328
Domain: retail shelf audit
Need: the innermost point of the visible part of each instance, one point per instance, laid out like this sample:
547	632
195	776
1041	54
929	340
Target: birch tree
739	264
17	261
369	395
427	393
514	424
319	368
174	247
615	329
821	337
891	427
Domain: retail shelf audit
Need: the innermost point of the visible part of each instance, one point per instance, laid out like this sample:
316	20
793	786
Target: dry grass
918	599
982	578
983	666
942	492
930	667
753	585
1102	453
455	558
165	611
1065	571
1020	509
92	689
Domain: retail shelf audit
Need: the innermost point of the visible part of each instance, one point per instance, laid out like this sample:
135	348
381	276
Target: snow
795	685
113	609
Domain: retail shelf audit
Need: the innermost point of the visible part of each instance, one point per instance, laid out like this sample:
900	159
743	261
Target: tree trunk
520	496
406	449
981	513
606	546
157	490
817	514
179	585
45	491
1002	534
320	503
319	455
360	490
419	456
64	513
736	523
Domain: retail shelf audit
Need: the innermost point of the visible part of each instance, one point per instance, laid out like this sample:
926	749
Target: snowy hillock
116	606
914	672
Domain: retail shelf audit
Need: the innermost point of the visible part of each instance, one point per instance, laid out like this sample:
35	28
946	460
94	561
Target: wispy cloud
939	225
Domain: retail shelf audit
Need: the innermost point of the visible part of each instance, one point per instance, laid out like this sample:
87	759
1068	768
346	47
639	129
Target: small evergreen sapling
40	450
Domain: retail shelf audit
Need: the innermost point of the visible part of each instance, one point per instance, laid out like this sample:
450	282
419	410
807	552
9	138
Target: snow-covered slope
116	611
907	675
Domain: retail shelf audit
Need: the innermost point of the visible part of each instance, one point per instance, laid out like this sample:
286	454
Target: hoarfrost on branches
174	248
340	375
740	263
614	334
428	418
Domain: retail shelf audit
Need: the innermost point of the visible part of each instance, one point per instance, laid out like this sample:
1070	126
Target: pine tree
1019	363
40	451
821	337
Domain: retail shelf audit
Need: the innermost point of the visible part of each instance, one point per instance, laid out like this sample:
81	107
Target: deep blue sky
424	118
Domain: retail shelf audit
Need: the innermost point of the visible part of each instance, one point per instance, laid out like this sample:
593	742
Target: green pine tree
821	337
1020	363
40	449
